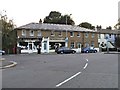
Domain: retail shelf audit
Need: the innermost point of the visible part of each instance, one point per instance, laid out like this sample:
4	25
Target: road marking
87	60
85	66
72	76
68	79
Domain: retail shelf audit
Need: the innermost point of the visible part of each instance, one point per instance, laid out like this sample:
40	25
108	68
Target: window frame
71	34
72	45
23	32
52	33
39	33
78	34
31	34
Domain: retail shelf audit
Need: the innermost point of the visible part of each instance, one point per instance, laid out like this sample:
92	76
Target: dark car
2	52
65	50
89	50
118	49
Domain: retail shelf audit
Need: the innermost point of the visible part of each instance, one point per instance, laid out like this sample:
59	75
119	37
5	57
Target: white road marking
72	76
68	79
85	65
87	60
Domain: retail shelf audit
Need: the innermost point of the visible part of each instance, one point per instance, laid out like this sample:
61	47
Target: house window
78	34
86	44
60	33
86	35
72	34
78	45
72	45
23	32
99	36
92	43
93	35
39	33
109	35
105	36
52	33
31	33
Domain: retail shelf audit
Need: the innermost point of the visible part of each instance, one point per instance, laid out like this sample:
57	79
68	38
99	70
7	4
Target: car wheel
87	51
61	52
73	52
95	51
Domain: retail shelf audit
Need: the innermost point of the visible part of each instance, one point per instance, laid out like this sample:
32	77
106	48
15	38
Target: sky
96	12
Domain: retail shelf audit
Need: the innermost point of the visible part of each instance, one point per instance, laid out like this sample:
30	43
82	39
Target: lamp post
66	39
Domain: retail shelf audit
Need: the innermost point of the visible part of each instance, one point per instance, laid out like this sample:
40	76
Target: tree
8	34
110	28
117	41
117	26
99	27
40	21
56	18
86	25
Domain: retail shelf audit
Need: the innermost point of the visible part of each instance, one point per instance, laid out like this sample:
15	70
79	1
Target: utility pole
66	39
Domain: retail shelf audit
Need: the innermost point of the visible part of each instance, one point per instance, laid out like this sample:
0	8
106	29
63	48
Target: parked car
65	50
118	49
2	52
88	50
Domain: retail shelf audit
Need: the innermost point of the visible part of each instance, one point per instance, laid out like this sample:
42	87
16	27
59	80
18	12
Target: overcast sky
96	12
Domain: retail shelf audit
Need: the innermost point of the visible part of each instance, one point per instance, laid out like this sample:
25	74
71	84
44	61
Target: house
50	36
106	38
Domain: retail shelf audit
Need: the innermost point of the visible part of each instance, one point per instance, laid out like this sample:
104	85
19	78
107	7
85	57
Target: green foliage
8	34
56	18
86	25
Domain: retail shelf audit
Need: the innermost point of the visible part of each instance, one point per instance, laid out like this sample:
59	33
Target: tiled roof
56	27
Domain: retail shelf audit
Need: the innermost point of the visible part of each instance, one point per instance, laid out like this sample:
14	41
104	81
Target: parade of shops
48	37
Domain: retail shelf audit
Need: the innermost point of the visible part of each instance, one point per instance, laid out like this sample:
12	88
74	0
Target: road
62	71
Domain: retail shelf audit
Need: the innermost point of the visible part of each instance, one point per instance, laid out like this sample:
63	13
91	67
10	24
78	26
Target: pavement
6	64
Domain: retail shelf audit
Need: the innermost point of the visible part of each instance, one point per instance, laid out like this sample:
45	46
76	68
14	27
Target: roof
105	31
63	27
56	27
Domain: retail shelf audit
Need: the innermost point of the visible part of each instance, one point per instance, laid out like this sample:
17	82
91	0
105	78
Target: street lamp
66	39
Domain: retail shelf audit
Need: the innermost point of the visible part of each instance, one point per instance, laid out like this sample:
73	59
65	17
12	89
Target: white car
2	52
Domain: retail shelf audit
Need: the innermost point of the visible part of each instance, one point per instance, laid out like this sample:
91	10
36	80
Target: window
52	33
92	43
86	44
72	45
60	33
109	35
31	33
99	36
78	34
78	45
86	35
39	33
105	36
71	34
93	35
23	33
